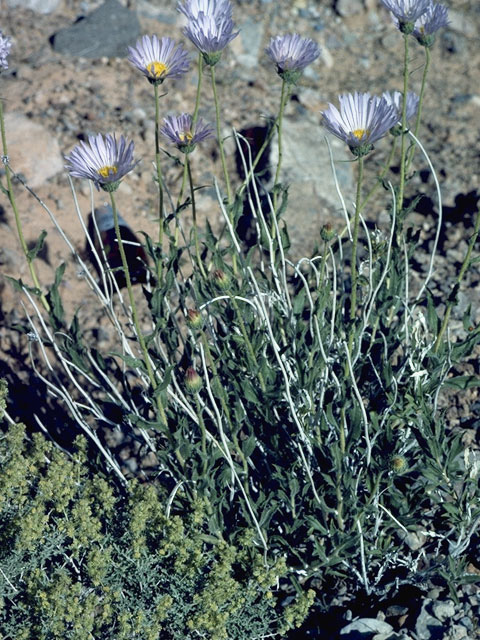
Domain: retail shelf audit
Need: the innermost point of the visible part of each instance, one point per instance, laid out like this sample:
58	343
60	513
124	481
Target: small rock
150	461
443	610
130	466
32	150
347	8
107	31
415	540
457	632
366	626
427	627
466	622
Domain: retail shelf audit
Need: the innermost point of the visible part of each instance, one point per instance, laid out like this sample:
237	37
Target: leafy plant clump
291	406
80	559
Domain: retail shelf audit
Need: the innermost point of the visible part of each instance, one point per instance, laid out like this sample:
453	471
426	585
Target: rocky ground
69	77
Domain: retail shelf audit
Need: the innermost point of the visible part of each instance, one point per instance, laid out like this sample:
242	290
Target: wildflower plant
296	401
406	12
159	59
426	26
395	98
104	161
184	133
362	120
210	27
292	53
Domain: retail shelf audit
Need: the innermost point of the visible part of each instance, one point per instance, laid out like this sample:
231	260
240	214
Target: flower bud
398	464
327	232
194	319
221	279
193	381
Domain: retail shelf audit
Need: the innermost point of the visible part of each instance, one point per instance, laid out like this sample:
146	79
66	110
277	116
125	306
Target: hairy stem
159	177
420	104
194	216
133	307
403	150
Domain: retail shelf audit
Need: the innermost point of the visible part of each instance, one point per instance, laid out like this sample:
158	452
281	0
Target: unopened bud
194	319
221	279
398	464
193	381
327	232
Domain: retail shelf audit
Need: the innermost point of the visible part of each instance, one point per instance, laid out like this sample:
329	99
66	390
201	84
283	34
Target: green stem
403	151
159	177
203	433
13	204
339	482
179	201
250	352
353	270
199	88
463	269
220	140
222	156
194	216
133	306
283	101
356	226
224	402
194	120
420	104
381	175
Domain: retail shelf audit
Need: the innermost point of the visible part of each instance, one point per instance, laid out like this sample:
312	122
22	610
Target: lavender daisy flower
405	12
104	161
395	98
181	130
215	8
5	46
292	54
159	59
363	119
425	27
210	35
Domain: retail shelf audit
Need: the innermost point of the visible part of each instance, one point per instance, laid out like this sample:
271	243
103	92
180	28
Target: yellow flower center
156	69
107	171
186	136
359	133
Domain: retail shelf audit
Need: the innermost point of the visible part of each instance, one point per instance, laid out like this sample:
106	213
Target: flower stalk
194	217
133	307
283	101
403	148
220	139
426	67
353	269
159	176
